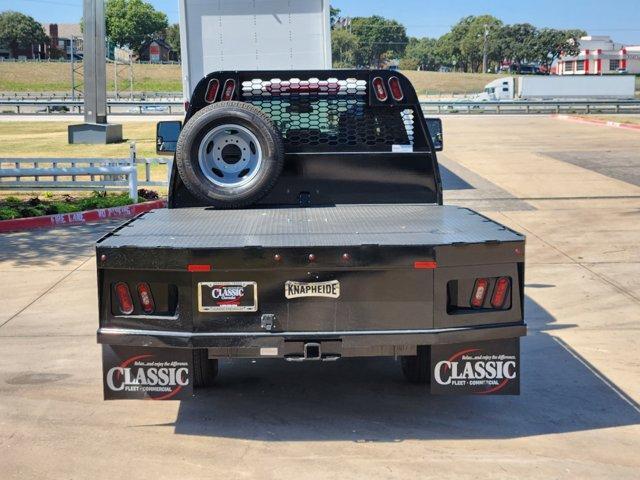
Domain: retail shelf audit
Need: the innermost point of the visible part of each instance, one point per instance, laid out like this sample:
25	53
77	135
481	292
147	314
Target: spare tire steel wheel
230	154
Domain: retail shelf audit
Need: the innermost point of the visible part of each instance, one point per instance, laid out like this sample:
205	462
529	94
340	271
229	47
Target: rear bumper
348	339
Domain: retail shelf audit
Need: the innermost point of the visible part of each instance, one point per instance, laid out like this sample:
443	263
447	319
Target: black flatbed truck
349	253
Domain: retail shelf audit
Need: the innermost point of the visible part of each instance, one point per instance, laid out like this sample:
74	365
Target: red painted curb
77	218
602	123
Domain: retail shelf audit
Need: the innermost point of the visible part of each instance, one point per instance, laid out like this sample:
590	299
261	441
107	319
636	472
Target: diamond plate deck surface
341	225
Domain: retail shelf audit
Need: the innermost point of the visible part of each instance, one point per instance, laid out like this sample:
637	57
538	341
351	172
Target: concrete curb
602	123
78	218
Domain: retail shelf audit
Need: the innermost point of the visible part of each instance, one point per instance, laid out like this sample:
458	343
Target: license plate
227	297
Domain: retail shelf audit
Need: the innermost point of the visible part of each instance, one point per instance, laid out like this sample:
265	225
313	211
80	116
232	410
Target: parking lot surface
564	185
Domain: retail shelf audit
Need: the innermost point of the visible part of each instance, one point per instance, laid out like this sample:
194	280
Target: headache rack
330	110
350	136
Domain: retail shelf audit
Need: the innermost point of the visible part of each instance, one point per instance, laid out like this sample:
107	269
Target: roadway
565	185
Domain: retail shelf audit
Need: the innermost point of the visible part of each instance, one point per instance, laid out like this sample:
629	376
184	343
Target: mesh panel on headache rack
324	114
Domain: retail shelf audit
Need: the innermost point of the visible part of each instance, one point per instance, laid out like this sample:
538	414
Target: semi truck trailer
553	87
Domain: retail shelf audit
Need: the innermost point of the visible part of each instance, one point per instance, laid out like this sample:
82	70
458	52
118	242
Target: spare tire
229	154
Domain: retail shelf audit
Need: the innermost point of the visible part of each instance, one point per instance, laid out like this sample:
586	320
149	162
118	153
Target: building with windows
600	55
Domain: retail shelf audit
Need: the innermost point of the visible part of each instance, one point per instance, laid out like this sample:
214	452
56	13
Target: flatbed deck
340	225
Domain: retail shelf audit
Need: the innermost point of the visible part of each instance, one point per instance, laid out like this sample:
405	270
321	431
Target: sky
431	18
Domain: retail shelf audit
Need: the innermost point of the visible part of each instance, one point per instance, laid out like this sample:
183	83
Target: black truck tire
205	369
417	369
230	154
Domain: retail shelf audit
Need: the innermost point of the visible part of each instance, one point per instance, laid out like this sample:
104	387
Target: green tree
518	42
551	43
344	47
473	40
131	22
172	37
20	31
421	53
379	39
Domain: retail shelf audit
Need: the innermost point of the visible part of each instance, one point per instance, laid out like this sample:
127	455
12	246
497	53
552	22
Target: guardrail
63	173
531	106
28	107
440	107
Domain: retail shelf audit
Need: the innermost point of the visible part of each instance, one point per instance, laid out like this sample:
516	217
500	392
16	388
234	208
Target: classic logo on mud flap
228	297
162	374
488	368
329	289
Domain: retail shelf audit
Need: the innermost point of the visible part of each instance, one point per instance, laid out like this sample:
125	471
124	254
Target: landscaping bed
13	207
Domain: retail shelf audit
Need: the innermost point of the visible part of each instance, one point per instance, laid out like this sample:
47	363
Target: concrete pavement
578	415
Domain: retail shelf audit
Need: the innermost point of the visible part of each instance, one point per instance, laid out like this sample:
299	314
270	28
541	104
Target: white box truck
252	35
559	88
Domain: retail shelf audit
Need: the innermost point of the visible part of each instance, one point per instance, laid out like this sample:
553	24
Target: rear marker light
146	299
396	89
124	298
228	90
500	292
479	292
198	268
425	265
381	91
212	90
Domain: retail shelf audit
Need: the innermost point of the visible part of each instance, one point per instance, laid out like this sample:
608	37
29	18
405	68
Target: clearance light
146	299
212	90
228	90
425	265
396	89
500	292
194	267
379	89
479	292
125	303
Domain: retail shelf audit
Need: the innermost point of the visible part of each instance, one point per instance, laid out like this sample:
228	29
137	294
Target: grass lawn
48	77
56	77
435	83
49	139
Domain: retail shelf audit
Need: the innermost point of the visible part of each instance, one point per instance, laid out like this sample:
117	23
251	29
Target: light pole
485	52
95	130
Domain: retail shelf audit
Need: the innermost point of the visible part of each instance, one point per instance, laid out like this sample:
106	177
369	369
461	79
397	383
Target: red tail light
396	89
146	299
379	89
479	292
500	292
212	90
229	89
124	298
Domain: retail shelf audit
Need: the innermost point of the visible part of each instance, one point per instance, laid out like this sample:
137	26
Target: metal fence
83	173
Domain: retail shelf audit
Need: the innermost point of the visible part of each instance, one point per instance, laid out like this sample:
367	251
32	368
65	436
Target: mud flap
480	368
146	373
